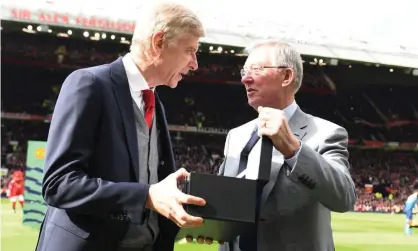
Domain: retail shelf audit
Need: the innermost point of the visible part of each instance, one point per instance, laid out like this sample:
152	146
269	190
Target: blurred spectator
61	52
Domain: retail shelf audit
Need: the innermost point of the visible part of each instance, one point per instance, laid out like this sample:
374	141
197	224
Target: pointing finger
184	219
189	199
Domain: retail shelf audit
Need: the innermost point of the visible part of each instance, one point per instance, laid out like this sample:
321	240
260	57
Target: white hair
283	55
174	20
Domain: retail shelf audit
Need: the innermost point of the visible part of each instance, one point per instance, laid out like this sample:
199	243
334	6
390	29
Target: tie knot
148	97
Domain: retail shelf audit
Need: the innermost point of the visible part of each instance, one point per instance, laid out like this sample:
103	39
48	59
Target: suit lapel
167	149
298	124
239	141
124	100
125	104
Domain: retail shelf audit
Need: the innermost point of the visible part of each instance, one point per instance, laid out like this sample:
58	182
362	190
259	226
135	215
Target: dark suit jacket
91	170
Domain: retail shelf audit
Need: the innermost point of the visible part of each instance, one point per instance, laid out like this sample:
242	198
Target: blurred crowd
73	53
355	97
384	179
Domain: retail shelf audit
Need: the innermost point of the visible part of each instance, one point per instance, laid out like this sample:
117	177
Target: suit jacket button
302	178
162	163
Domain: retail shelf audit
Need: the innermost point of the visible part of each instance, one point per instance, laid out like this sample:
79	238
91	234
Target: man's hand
273	123
166	199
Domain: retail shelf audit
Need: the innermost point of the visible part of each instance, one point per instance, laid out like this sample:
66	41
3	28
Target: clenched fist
273	124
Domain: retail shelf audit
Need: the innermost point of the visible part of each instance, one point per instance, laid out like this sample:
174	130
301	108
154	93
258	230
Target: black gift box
232	204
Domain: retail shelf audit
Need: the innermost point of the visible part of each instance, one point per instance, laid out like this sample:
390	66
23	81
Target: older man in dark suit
110	180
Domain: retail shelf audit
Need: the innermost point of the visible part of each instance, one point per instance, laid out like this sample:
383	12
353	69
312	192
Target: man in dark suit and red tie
109	179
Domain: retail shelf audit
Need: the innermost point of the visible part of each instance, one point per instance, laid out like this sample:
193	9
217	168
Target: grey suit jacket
297	203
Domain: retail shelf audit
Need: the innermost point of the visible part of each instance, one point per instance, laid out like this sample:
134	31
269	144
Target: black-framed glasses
259	69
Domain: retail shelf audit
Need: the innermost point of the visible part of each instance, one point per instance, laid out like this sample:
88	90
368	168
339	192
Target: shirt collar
137	82
290	110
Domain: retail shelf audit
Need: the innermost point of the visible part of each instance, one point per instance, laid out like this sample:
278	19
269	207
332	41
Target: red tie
149	100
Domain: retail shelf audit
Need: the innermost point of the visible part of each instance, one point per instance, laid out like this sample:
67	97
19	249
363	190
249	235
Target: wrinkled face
177	59
263	85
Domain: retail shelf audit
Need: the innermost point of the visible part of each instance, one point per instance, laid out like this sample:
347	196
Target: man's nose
247	79
193	63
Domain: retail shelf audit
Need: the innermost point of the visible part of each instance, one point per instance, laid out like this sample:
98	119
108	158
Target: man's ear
289	75
157	42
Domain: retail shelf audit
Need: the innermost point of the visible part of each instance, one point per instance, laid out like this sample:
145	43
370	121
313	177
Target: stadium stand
378	107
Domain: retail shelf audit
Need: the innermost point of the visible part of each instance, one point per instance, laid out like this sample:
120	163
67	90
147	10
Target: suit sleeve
70	148
326	172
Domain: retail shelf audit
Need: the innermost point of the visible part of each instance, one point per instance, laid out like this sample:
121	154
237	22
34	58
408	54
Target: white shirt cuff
293	161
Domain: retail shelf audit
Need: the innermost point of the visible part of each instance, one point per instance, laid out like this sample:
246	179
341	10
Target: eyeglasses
258	69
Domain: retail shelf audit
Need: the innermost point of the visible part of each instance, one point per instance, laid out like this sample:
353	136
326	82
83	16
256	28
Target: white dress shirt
136	81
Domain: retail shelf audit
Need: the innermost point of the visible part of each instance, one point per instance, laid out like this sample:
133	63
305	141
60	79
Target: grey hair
173	19
283	55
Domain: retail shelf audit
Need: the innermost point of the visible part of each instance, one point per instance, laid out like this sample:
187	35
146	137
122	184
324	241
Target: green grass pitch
352	232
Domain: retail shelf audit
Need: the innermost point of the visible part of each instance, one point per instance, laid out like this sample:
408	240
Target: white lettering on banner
228	27
67	19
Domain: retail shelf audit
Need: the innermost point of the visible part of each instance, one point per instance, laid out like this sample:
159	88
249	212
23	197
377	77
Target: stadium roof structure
357	30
